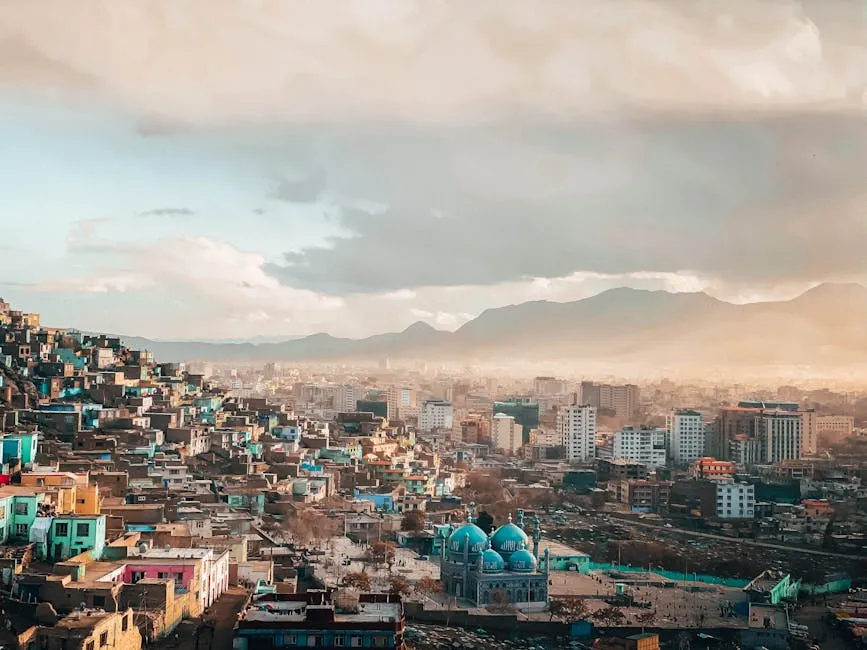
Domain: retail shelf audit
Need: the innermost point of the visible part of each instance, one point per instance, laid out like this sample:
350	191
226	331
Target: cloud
763	200
168	212
231	279
426	60
304	190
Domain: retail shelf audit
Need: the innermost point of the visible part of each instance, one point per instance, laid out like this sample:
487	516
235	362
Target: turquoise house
5	518
241	501
25	506
71	535
29	445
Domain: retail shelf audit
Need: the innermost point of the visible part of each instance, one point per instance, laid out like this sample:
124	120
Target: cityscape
433	325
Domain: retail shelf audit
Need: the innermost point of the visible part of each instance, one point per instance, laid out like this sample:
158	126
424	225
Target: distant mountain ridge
827	324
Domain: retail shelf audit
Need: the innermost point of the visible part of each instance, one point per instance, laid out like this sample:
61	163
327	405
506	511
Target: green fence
737	583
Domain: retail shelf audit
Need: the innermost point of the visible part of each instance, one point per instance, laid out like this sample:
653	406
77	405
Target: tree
609	616
380	553
398	585
485	521
357	580
427	586
568	608
310	526
412	521
500	601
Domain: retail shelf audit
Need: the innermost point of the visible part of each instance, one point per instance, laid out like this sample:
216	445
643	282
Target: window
314	641
22	508
339	640
379	642
80	501
82	530
21	529
89	646
179	577
99	601
163	575
61	529
124	623
355	641
137	575
103	639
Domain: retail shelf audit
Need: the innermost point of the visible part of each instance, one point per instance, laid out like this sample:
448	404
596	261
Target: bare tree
358	580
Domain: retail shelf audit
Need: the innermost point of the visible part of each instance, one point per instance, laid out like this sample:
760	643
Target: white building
643	445
735	500
435	414
780	436
577	428
506	434
347	399
687	434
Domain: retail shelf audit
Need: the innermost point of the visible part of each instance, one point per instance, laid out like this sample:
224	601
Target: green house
29	446
25	507
71	535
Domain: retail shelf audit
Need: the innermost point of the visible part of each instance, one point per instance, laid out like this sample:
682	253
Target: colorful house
71	535
29	445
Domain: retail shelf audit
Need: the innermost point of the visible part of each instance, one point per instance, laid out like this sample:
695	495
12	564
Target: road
737	540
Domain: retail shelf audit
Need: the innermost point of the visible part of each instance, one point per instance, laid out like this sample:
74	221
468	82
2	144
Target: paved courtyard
345	556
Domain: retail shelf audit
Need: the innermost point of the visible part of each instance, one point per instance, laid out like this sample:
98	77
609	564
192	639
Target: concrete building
833	429
399	400
435	414
576	426
641	444
687	432
622	399
506	434
735	500
780	436
347	398
711	469
543	386
92	630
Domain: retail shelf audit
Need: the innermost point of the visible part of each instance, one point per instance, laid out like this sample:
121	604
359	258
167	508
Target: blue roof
492	562
522	562
509	538
476	536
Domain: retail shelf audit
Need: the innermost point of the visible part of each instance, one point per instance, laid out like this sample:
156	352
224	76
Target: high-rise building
623	400
506	434
576	425
524	410
737	431
687	434
544	386
400	398
644	445
347	398
435	414
780	436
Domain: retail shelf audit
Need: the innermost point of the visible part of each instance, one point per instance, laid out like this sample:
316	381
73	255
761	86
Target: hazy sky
231	168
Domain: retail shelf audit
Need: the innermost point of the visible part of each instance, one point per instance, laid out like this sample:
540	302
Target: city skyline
292	169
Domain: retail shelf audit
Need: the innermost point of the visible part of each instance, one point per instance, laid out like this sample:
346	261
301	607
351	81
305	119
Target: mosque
475	565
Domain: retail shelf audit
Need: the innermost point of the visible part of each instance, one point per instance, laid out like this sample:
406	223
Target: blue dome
492	562
509	538
522	562
467	533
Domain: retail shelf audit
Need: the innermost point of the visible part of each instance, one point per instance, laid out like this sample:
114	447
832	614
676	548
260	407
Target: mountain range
823	326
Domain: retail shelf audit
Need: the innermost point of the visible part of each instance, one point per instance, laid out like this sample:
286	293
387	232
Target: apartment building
833	429
506	434
435	414
641	444
687	436
576	426
735	500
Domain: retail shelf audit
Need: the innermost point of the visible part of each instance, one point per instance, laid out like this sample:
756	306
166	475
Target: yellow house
74	492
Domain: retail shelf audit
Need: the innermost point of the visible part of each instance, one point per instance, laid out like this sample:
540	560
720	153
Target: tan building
833	429
506	434
92	630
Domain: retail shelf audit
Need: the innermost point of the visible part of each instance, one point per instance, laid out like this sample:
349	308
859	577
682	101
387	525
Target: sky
239	168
